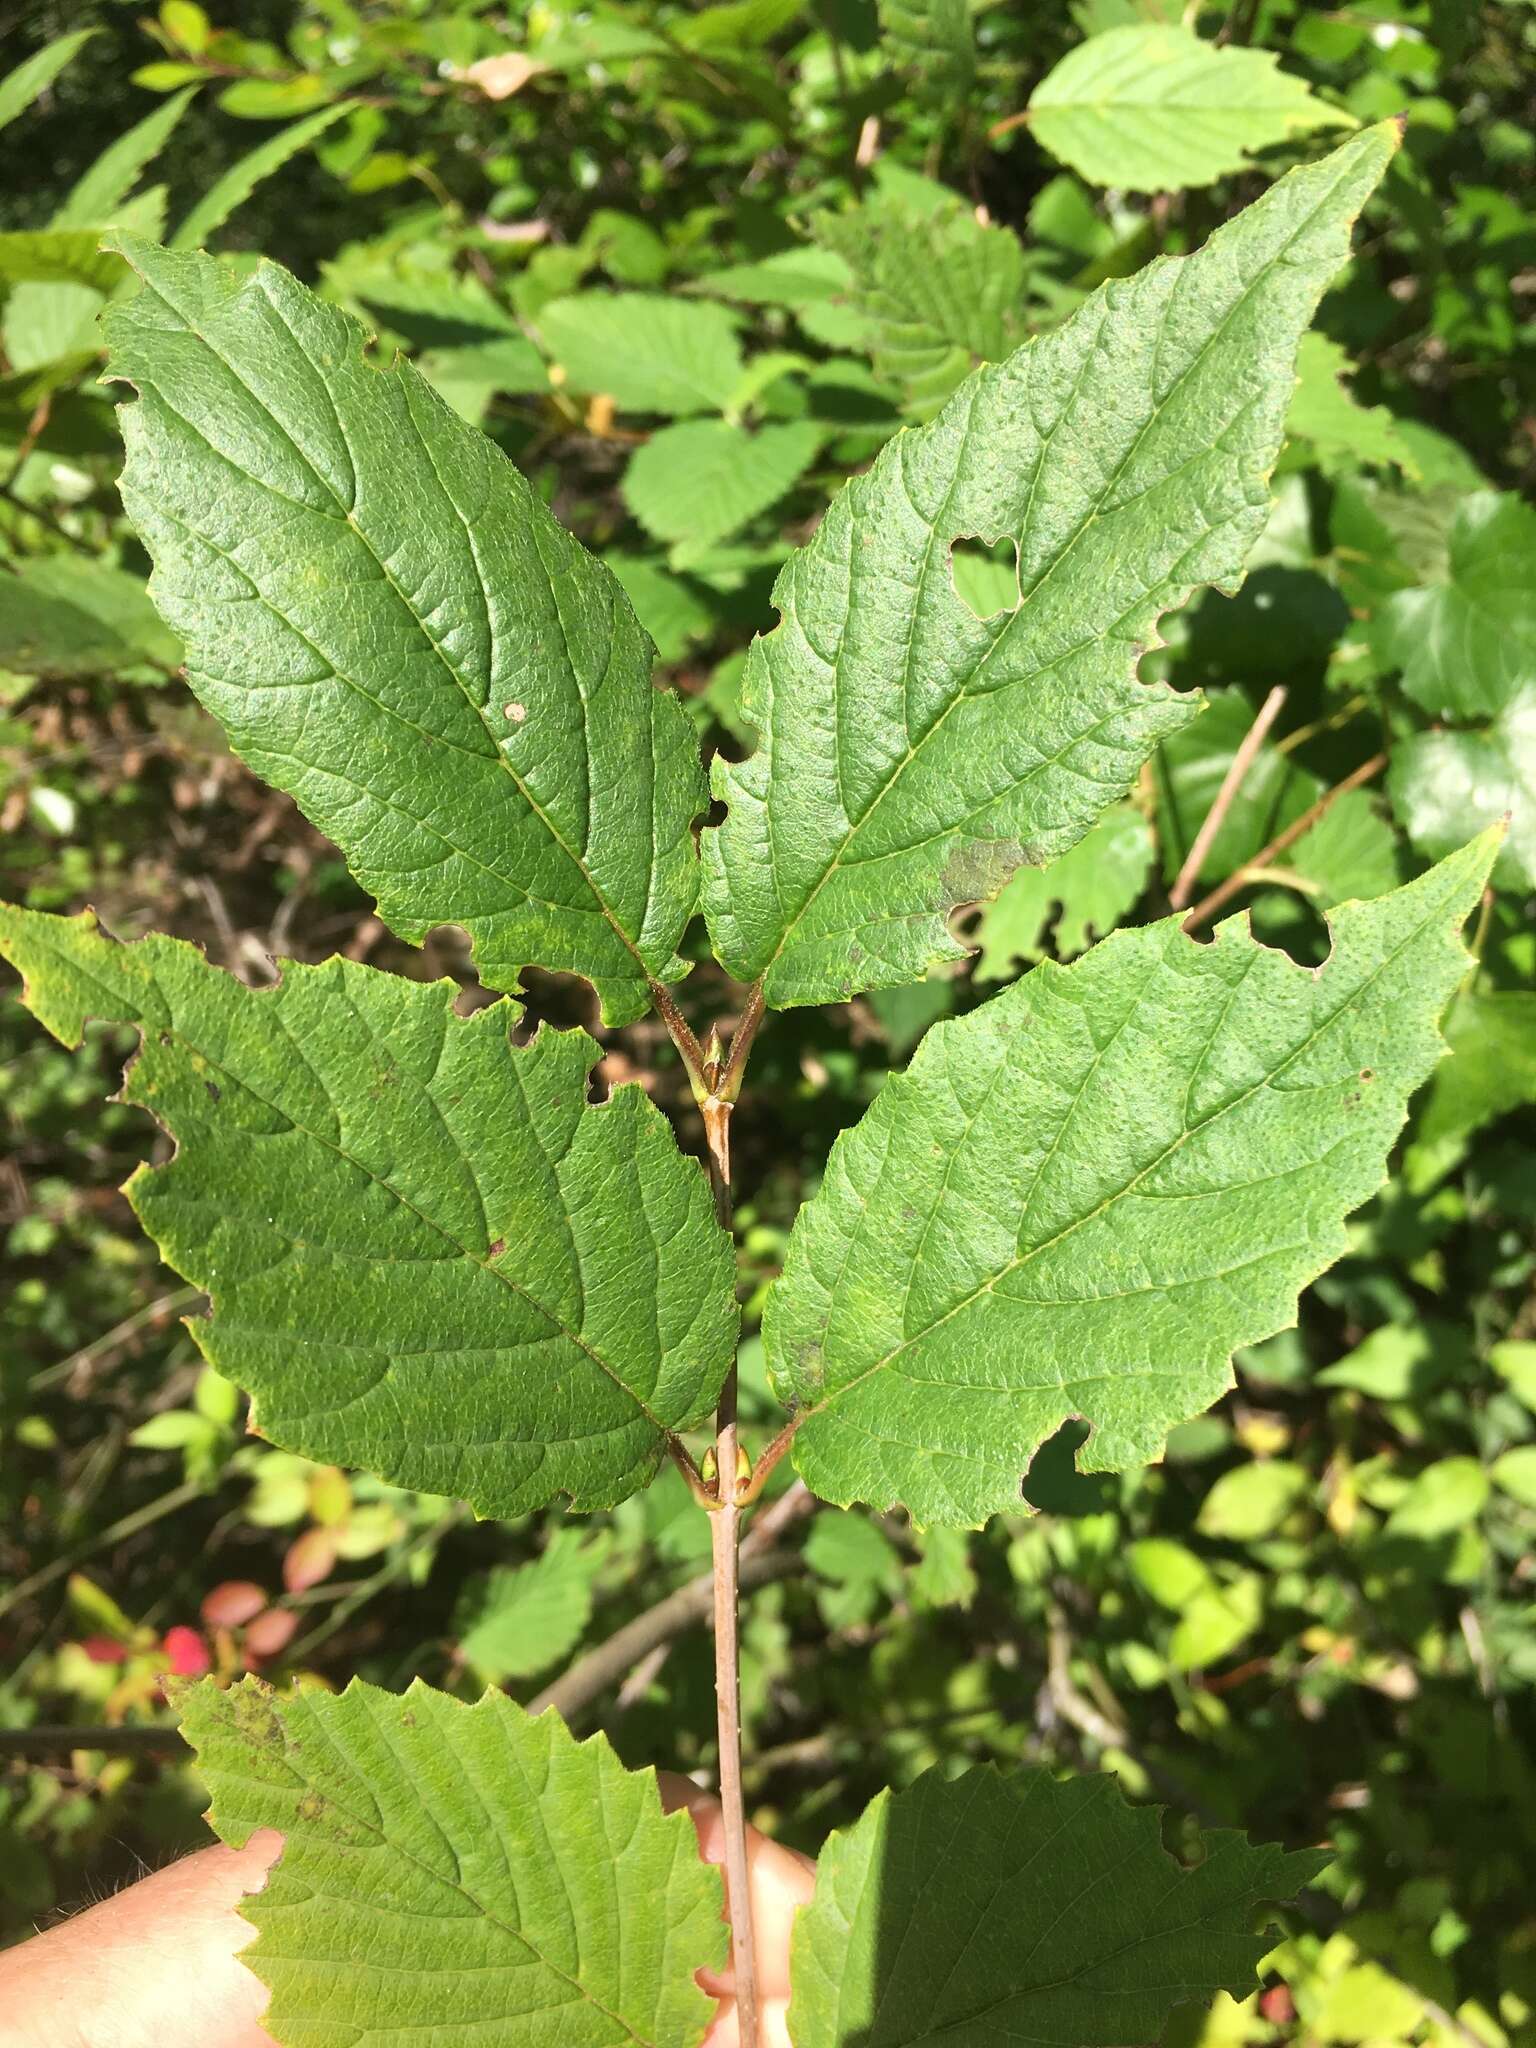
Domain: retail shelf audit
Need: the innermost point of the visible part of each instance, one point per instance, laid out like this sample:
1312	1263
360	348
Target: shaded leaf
233	187
394	630
1084	1196
66	615
992	1909
451	1871
499	1322
911	755
932	44
33	76
1447	784
1093	886
520	1619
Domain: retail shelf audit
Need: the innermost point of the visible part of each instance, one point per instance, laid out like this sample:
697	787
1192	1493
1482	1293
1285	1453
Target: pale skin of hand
158	1965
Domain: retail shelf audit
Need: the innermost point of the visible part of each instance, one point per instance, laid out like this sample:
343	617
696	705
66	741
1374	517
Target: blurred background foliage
691	266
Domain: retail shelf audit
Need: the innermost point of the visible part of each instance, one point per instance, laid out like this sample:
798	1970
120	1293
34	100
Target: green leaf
790	277
59	256
95	199
33	76
1350	851
1251	1501
454	1872
647	352
1215	1622
701	481
991	1910
65	615
1514	1473
1093	885
1444	785
912	755
1343	433
501	1322
1466	640
523	1618
944	1575
940	291
1402	1361
394	630
1155	109
856	1560
736	25
931	42
1080	1199
1492	1037
274	99
1445	1497
1169	1573
231	190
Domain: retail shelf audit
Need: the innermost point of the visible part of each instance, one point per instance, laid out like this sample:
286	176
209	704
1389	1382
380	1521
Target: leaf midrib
345	516
963	694
1021	1259
407	1855
239	1081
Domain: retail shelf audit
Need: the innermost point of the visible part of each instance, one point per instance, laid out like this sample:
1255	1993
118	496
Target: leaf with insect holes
993	1909
394	630
1152	108
911	755
1081	1198
428	1254
454	1873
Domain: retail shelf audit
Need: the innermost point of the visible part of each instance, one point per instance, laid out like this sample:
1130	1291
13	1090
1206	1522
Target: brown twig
1231	783
1265	856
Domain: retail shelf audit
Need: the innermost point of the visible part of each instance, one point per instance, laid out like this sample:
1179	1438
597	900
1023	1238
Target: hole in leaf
985	574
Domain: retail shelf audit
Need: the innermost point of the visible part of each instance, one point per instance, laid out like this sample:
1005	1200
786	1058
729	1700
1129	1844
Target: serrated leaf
67	615
647	352
790	277
701	481
33	76
940	292
394	630
454	1872
995	1909
1150	108
1092	886
1466	640
1446	784
520	1619
912	755
1080	1199
932	44
1324	412
501	1321
230	191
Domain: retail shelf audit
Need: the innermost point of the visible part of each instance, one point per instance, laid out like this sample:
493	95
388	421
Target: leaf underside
911	755
1080	1199
453	1873
991	1910
393	629
428	1255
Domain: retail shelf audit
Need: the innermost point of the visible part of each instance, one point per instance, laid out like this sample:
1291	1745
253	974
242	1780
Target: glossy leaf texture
995	1909
427	1254
911	755
453	1873
1080	1199
1153	108
393	629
